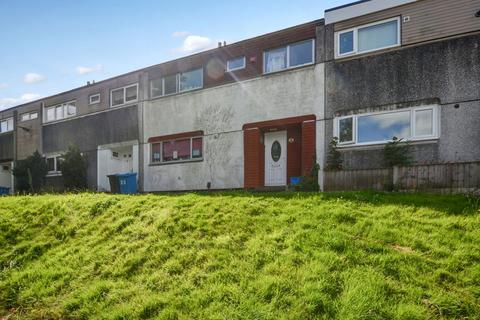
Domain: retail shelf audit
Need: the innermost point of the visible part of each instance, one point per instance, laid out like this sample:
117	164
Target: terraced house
256	113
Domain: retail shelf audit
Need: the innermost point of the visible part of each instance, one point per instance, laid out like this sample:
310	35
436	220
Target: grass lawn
240	256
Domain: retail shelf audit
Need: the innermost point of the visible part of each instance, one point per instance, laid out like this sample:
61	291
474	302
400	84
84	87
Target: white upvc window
236	64
367	38
60	111
28	116
410	124
54	165
124	95
94	98
292	56
6	125
175	83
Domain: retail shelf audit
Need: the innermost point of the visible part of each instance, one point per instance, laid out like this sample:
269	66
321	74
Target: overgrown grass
240	256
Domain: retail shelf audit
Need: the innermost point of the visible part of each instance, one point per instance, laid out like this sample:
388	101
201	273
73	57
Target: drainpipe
15	144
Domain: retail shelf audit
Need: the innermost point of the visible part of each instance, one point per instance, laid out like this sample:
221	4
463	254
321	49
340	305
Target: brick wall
253	159
308	146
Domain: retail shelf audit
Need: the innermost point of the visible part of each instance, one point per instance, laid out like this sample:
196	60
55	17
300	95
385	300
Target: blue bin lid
126	175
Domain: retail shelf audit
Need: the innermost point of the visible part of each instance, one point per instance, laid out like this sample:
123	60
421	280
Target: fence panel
449	177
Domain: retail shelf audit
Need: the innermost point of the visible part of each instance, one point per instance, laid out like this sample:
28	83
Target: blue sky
50	46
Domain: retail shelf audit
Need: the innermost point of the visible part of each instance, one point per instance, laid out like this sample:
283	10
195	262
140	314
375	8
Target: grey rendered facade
437	63
433	67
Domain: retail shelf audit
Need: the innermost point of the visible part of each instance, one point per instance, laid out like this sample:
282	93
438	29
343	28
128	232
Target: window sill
289	68
53	174
124	104
154	164
380	145
362	54
176	93
233	70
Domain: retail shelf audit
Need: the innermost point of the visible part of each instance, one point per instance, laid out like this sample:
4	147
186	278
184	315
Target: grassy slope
240	256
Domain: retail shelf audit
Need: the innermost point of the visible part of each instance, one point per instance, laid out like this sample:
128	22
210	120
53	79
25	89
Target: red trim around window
176	136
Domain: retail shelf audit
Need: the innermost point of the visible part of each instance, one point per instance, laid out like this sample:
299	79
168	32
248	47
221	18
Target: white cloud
86	70
194	43
24	98
3	85
180	34
31	78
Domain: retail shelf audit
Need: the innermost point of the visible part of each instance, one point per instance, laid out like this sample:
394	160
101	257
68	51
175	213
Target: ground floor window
177	150
380	127
54	165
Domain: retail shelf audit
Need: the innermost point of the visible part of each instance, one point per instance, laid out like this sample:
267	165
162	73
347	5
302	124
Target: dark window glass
156	87
51	164
197	147
117	97
131	93
156	152
346	130
191	80
346	42
301	53
170	83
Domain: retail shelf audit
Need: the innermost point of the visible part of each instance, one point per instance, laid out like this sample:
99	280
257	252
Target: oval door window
276	151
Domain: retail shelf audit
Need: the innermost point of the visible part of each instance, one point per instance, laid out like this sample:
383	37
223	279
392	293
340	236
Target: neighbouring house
409	69
256	113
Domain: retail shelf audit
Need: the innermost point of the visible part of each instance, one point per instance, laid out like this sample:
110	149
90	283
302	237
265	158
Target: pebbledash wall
221	113
436	63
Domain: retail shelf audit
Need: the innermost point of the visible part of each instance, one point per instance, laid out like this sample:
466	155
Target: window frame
355	38
90	99
435	126
187	90
237	68
288	67
9	121
29	114
56	171
162	162
65	115
177	83
125	102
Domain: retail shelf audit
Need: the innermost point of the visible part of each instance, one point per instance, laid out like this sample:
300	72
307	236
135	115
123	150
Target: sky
51	46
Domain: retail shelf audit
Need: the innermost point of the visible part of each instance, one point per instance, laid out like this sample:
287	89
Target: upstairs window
124	95
367	38
61	111
236	64
178	150
191	80
381	127
170	84
175	83
94	98
291	56
28	116
6	125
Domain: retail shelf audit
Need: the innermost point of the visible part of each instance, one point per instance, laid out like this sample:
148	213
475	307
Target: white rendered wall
221	112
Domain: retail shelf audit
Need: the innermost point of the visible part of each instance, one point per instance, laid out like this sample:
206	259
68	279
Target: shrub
30	173
397	153
74	169
334	157
310	182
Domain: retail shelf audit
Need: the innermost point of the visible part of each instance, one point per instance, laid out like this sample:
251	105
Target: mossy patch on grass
358	255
